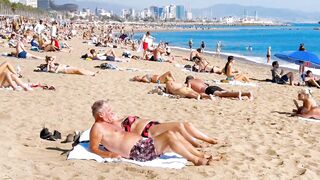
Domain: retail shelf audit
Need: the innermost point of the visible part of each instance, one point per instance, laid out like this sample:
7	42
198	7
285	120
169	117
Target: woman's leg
19	82
242	77
8	80
187	130
7	65
314	83
34	56
196	133
173	126
168	142
164	77
73	70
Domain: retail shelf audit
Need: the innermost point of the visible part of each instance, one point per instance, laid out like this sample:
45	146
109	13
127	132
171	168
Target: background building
180	12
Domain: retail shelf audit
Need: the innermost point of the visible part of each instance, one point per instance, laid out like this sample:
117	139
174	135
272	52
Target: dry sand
263	141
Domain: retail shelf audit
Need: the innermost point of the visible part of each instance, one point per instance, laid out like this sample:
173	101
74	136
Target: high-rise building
180	12
172	12
161	12
188	14
44	4
155	12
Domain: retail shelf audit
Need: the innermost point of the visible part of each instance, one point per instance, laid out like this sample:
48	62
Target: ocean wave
255	59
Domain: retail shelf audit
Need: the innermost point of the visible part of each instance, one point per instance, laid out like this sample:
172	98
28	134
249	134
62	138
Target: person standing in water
218	48
268	54
202	46
190	44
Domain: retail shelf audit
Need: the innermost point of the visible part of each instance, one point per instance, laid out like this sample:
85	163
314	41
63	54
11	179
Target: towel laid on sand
234	83
81	152
310	119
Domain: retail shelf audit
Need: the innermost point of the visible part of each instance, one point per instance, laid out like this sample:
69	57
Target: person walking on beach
202	46
268	54
147	41
190	44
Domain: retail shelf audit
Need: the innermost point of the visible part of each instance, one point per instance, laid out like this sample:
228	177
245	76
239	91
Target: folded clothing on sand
81	152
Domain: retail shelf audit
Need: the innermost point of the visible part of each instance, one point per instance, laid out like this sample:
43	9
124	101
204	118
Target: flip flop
45	134
56	134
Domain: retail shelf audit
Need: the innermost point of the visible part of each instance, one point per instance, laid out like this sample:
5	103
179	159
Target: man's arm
95	139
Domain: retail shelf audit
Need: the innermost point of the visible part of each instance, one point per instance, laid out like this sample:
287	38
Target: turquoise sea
236	40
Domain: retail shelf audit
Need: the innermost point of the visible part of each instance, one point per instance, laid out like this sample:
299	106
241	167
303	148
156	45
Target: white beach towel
310	119
81	152
235	83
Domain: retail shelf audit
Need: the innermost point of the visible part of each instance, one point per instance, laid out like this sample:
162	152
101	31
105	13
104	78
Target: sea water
249	42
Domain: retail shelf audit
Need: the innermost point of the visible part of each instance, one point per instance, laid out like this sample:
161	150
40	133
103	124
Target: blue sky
303	5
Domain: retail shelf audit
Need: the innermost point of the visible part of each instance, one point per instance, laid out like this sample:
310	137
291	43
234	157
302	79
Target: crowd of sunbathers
141	139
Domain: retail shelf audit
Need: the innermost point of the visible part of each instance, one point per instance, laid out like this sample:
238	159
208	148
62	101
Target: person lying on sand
310	108
152	128
185	92
233	75
278	75
311	80
133	146
204	66
9	77
148	78
200	86
54	67
109	55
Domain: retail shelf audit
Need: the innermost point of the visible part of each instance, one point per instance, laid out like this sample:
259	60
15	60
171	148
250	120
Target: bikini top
126	124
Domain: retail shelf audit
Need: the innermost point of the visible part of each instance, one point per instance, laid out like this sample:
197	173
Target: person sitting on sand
204	66
185	92
233	75
54	67
309	109
196	53
133	146
200	86
311	80
9	77
157	54
278	75
21	52
148	78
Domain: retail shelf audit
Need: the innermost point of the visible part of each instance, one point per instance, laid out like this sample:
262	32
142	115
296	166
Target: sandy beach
263	142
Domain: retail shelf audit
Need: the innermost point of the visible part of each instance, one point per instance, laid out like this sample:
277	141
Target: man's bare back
197	85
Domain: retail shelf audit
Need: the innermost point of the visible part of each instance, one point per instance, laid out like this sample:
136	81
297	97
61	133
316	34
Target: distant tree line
8	8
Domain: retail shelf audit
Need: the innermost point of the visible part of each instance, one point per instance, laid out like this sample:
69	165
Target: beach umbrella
298	57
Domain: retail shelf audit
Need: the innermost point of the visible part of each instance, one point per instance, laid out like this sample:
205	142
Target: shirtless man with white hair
132	146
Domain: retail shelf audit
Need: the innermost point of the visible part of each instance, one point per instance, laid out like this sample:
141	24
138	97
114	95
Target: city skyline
307	5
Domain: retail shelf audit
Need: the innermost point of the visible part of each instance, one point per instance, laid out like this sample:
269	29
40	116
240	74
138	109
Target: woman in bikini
309	109
54	67
148	78
9	77
152	128
233	75
204	66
